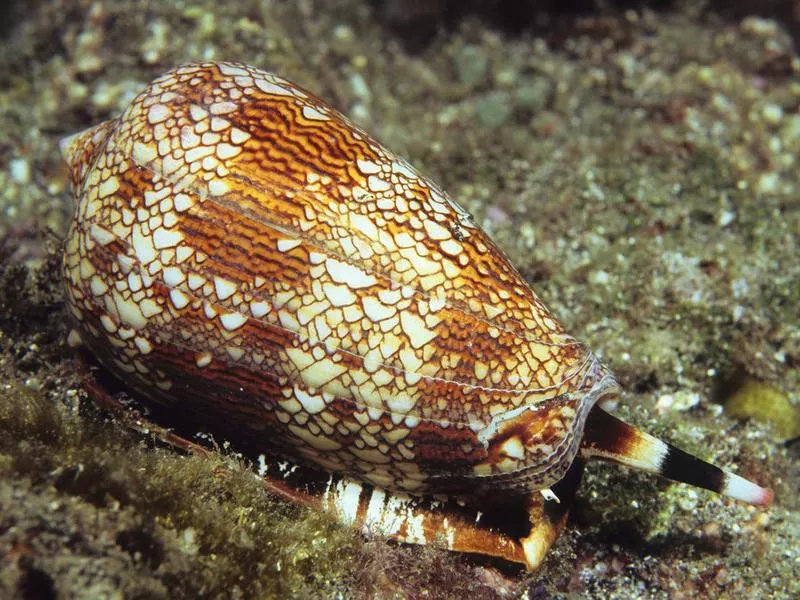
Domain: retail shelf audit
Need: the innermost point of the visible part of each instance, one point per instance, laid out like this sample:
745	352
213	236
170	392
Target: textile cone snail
253	263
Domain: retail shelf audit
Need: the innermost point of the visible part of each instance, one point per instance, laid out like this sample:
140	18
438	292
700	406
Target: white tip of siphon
746	491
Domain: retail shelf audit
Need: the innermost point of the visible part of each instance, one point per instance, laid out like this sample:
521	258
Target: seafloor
640	167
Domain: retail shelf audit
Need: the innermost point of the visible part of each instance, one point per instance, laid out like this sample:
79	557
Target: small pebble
528	234
343	33
155	45
599	278
360	87
726	217
506	77
471	64
493	109
534	95
772	113
681	401
87	52
688	501
791	130
768	183
20	170
759	27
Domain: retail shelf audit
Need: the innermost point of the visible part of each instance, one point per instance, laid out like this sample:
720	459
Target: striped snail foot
518	529
515	528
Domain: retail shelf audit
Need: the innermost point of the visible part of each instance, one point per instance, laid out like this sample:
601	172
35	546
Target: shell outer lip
565	454
606	388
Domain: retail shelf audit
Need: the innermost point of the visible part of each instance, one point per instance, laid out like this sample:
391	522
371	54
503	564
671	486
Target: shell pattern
240	248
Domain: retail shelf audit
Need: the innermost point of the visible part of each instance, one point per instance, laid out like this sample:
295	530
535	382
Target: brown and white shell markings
248	257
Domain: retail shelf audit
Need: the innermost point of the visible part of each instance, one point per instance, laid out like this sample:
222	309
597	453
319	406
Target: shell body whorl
242	252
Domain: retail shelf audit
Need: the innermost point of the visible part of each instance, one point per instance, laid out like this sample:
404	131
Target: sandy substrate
640	169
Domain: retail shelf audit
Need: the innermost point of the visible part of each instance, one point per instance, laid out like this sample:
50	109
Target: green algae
763	402
205	524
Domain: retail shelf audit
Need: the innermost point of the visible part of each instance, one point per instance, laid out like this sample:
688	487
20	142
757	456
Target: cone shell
245	255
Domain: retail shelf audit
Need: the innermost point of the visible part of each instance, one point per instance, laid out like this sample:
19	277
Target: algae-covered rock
757	400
